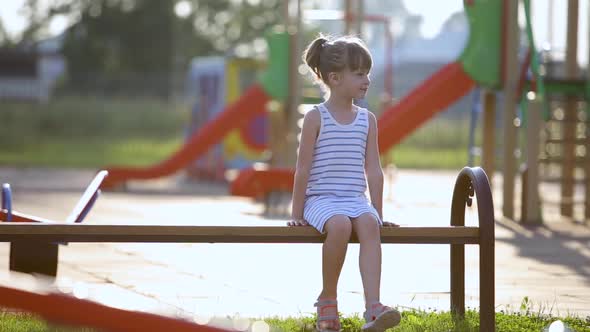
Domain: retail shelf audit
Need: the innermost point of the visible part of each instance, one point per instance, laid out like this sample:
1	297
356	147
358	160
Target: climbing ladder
566	139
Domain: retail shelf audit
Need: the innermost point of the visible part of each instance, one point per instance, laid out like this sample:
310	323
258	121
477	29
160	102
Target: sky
434	12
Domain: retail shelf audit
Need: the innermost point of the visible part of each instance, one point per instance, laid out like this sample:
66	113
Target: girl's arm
373	167
309	133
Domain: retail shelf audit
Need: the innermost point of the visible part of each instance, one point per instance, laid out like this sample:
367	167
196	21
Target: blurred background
93	83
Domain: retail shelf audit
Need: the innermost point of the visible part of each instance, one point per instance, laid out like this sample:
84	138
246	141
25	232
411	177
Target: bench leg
34	257
487	284
458	280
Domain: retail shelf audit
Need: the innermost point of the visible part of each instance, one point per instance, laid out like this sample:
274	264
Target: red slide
253	102
432	96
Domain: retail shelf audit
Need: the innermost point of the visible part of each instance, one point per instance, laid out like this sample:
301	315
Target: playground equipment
78	214
470	183
434	95
212	83
489	61
557	115
234	116
23	254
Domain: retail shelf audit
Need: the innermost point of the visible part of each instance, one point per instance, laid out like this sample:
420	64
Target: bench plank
220	234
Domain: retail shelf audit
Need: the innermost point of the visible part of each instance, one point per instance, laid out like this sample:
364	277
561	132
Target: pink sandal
380	317
328	319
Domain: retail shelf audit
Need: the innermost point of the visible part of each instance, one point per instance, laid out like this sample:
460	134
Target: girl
338	156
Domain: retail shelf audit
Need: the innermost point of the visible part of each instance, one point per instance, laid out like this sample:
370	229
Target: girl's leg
338	229
377	316
368	231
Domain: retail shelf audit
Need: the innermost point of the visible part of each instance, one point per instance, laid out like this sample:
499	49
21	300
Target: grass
412	321
407	156
78	132
11	322
90	132
89	153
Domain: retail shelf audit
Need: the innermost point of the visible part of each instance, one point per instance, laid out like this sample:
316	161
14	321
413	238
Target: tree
4	37
119	49
134	45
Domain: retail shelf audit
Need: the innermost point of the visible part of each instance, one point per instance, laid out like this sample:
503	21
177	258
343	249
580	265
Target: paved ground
549	265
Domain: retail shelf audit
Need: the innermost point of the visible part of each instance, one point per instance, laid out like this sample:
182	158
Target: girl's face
355	83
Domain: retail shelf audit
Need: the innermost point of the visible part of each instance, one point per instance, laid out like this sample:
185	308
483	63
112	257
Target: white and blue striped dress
337	183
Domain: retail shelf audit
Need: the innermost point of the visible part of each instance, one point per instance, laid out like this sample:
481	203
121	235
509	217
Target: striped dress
337	183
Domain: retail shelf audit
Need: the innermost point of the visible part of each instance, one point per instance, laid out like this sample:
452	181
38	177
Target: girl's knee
339	225
367	225
367	220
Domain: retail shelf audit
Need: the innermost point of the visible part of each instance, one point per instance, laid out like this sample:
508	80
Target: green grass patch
406	156
11	322
412	321
90	153
91	132
439	144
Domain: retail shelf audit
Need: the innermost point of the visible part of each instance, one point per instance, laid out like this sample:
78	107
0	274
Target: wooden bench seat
34	246
220	234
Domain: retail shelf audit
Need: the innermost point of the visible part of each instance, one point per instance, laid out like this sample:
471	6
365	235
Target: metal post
489	133
347	16
587	154
510	85
360	17
531	204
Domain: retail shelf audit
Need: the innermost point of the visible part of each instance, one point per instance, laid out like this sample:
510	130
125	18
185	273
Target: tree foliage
116	45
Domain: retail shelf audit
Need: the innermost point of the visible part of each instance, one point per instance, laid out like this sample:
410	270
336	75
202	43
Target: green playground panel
566	87
275	79
481	58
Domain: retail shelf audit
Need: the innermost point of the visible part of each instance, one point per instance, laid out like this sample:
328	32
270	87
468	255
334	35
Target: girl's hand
389	224
298	222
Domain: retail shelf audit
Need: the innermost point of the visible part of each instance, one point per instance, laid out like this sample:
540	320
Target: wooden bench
33	248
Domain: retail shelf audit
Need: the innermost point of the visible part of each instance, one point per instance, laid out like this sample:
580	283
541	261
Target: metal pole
360	17
531	204
587	154
510	86
550	10
489	133
347	16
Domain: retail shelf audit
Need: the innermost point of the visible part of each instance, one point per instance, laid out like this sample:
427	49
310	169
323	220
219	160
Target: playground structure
490	61
77	215
557	114
434	95
214	82
553	111
425	101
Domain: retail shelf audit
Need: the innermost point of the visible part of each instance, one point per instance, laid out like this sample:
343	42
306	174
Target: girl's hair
325	55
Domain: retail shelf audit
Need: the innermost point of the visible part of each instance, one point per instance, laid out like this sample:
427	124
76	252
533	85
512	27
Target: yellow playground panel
239	146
